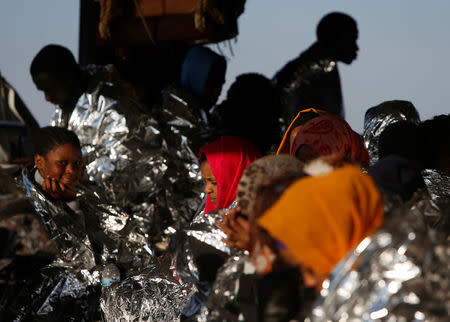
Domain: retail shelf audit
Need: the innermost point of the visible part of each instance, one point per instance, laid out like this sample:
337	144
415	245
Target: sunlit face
63	163
55	92
210	182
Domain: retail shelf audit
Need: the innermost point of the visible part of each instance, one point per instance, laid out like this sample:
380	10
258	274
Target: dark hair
251	110
55	60
50	137
332	24
400	138
434	140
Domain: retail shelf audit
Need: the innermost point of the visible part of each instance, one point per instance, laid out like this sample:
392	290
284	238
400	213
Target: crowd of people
266	207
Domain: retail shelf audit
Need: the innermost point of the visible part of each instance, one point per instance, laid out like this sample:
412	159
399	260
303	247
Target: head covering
259	171
301	118
377	118
320	219
196	67
329	134
228	157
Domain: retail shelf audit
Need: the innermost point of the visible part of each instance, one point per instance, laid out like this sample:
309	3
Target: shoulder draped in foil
157	294
142	163
381	116
310	80
199	253
398	274
86	238
438	185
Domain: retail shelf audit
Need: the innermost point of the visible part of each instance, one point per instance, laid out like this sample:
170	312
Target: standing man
312	79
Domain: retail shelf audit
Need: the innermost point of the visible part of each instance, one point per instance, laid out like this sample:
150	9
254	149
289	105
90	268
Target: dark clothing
397	175
16	124
310	80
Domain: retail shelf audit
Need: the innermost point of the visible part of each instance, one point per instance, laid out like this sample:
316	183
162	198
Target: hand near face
56	189
237	229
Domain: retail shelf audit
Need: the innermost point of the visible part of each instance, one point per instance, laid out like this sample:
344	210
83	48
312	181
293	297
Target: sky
404	47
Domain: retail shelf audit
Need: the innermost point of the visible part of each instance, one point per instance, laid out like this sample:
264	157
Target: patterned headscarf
259	171
329	134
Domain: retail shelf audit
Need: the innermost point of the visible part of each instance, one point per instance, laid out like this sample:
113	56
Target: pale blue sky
404	47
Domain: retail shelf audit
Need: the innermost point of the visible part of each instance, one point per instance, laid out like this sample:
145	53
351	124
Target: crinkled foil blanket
398	274
382	116
303	76
85	240
157	294
162	294
144	164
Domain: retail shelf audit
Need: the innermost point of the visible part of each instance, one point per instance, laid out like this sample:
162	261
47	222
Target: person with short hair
312	79
250	110
119	139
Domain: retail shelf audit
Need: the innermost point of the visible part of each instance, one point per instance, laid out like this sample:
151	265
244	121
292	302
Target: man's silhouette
312	79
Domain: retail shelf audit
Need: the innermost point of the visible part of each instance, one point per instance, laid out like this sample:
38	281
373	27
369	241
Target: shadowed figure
312	79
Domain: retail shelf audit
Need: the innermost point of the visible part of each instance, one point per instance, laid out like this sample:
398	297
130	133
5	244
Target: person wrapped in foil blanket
122	145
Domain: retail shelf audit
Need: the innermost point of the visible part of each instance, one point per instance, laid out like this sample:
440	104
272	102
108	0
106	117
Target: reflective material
309	81
398	274
438	185
199	252
86	238
224	291
142	163
157	294
379	117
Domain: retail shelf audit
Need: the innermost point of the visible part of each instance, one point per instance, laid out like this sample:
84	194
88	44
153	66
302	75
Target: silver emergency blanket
379	117
128	156
157	294
438	185
398	274
224	290
301	74
305	72
86	239
202	236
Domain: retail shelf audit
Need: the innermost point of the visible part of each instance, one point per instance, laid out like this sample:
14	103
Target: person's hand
57	189
237	229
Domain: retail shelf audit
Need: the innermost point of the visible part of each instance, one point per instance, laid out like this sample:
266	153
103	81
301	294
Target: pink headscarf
329	134
228	157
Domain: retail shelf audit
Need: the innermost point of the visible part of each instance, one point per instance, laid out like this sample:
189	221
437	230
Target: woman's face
210	182
63	163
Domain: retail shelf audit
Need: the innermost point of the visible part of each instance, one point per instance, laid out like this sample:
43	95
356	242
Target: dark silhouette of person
250	111
312	79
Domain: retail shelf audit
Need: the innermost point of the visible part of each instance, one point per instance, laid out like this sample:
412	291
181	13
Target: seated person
324	225
377	118
118	139
192	97
250	110
200	250
434	143
300	119
87	230
399	165
328	135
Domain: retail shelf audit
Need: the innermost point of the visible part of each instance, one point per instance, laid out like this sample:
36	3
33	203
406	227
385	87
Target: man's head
339	31
56	73
434	143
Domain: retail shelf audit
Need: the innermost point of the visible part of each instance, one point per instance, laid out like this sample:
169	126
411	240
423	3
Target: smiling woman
57	157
